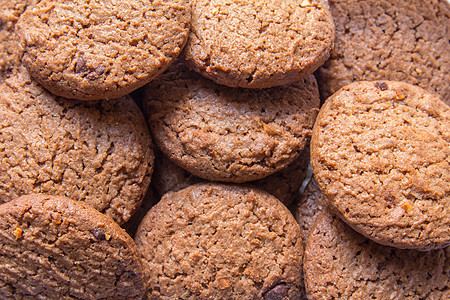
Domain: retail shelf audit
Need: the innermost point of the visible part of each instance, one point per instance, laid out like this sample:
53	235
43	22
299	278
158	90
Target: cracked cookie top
380	152
229	134
57	248
96	49
96	152
258	44
217	241
339	263
389	40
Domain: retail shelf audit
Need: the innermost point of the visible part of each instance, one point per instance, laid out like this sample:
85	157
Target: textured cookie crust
214	241
10	11
308	207
389	40
258	44
100	153
95	49
229	134
284	184
341	264
56	248
380	151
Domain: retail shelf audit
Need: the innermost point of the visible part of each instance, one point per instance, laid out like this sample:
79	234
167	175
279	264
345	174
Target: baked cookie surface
229	134
57	248
342	264
380	152
284	184
100	152
217	241
10	11
91	50
389	40
258	44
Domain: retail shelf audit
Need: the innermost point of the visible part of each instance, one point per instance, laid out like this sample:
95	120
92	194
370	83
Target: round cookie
217	241
57	248
98	152
91	50
10	11
229	134
402	40
342	264
380	152
258	44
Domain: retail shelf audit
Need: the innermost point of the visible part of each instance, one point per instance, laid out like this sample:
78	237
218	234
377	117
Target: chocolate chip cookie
57	248
380	152
342	264
229	134
403	40
91	50
217	241
100	152
258	44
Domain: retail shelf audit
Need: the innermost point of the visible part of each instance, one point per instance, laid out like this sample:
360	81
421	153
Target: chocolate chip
278	292
98	234
80	66
96	73
381	85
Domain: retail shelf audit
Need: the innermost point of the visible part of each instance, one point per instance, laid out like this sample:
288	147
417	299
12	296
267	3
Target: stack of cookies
161	149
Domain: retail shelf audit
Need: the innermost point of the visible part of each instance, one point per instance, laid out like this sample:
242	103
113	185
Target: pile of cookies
184	149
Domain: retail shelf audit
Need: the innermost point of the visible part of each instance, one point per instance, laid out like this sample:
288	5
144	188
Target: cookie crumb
98	234
18	232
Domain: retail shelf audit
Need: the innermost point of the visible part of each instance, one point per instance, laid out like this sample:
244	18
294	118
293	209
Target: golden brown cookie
380	152
229	134
403	40
98	152
57	248
217	241
342	264
95	49
258	44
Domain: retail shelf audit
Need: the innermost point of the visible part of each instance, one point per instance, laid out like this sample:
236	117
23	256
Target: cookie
342	264
308	207
57	248
380	152
91	50
229	134
10	11
218	241
258	44
402	40
284	184
97	152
